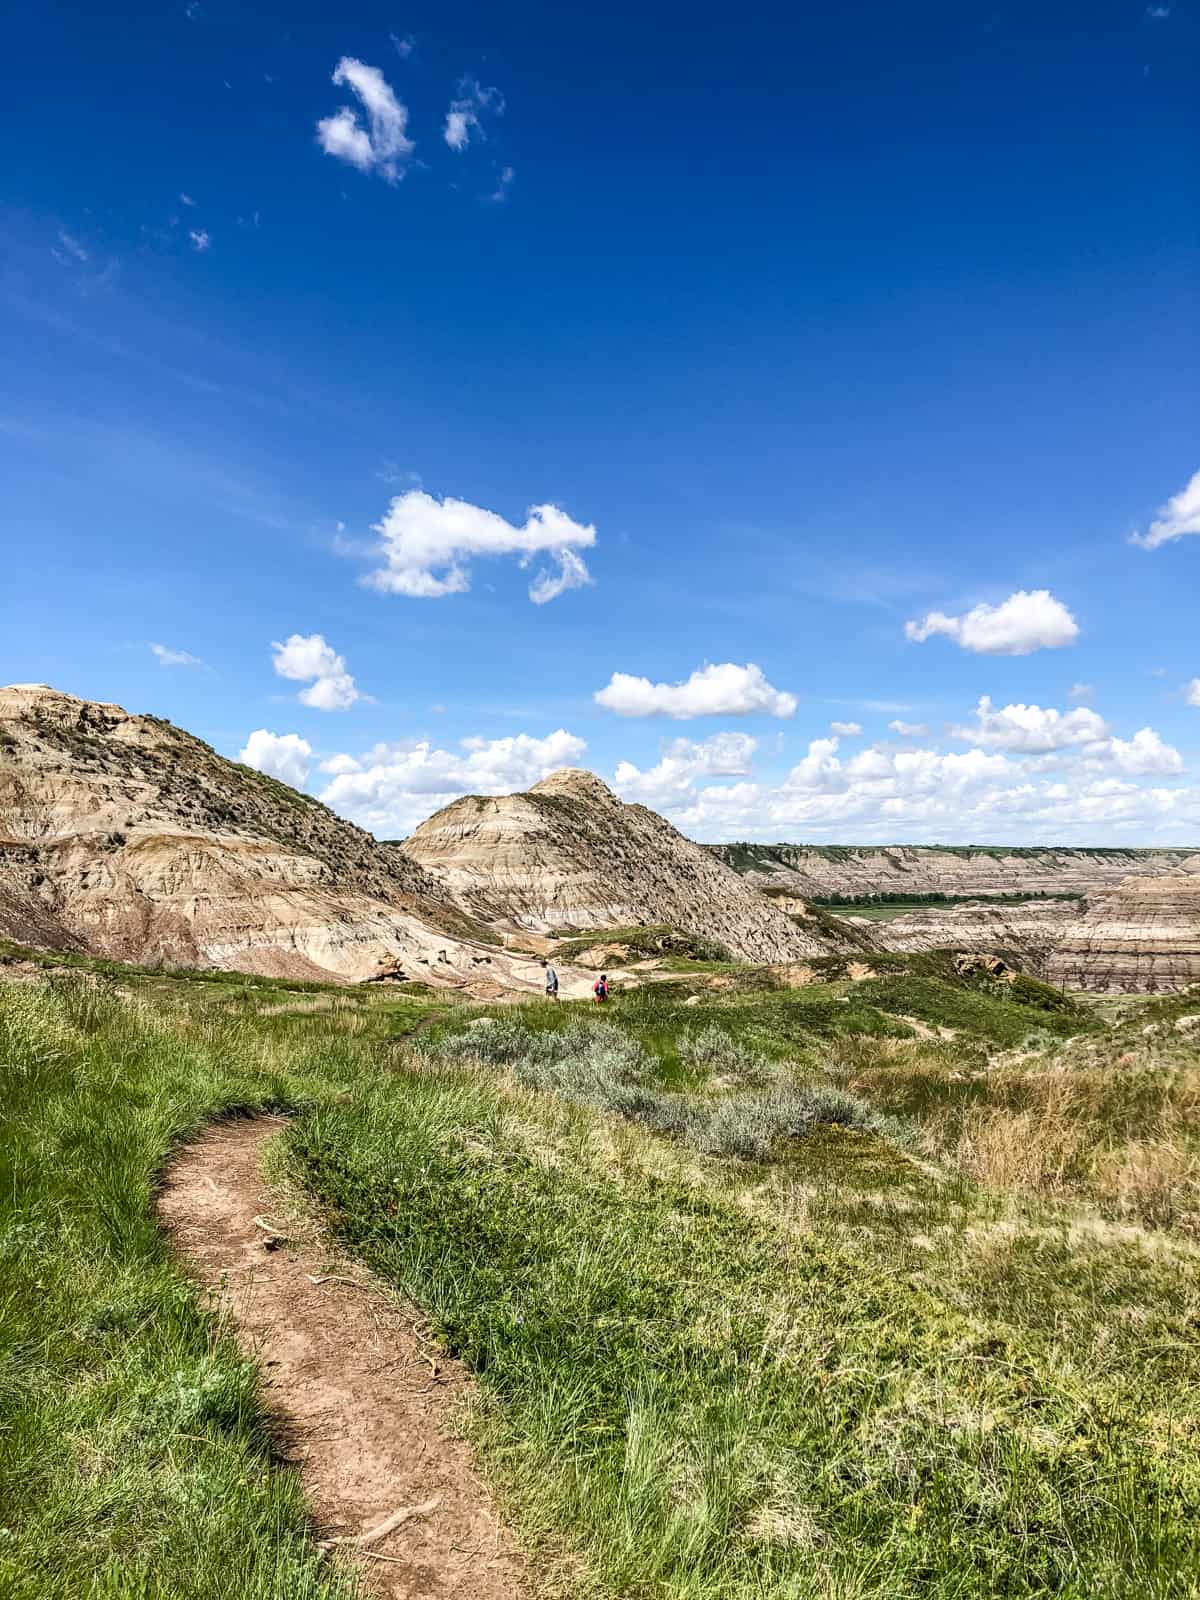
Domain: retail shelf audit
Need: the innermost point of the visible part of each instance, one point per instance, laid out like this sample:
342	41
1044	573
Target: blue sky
844	350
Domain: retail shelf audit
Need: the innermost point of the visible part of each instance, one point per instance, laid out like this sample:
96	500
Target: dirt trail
361	1401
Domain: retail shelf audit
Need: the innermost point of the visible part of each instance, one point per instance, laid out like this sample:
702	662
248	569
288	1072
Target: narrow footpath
361	1400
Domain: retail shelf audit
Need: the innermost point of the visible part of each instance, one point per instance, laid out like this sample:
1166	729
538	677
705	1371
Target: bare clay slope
569	854
1142	938
126	837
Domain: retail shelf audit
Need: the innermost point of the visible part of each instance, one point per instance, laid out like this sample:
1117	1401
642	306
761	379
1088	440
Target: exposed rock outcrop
1143	938
1030	931
125	837
862	872
569	854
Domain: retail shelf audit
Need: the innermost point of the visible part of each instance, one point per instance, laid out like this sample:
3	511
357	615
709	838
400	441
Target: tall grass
135	1459
715	1405
844	1371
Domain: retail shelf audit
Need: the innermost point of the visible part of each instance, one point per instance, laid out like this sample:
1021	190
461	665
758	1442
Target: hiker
600	989
551	980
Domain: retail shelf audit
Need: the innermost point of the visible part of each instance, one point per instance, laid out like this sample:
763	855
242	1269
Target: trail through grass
919	1357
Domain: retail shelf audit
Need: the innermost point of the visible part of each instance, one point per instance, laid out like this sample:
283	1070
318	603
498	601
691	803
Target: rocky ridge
567	854
125	837
862	872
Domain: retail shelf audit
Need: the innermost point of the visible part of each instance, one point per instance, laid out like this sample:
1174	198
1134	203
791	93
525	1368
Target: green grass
643	942
842	1371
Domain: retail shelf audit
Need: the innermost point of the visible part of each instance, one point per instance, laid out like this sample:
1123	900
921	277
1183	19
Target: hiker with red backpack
600	989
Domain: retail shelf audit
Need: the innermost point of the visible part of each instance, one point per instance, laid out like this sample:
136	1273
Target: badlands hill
125	837
568	854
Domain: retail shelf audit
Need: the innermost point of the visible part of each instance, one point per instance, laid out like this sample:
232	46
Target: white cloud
403	44
1033	775
1140	756
200	240
383	146
186	199
571	574
283	755
394	786
174	658
301	658
1180	516
848	730
503	184
711	691
464	118
72	246
1032	729
1026	621
1192	692
681	763
338	766
908	730
1158	13
977	796
1082	692
426	543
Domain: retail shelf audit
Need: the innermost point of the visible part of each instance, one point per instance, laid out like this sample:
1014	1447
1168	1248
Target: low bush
597	1065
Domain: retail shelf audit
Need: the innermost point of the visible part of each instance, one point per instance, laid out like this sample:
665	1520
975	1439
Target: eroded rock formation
1030	931
125	837
569	854
1141	939
862	872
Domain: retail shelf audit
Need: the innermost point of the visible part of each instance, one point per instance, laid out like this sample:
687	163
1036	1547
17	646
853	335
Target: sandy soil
361	1400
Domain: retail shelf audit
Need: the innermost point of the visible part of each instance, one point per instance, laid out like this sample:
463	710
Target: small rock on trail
360	1400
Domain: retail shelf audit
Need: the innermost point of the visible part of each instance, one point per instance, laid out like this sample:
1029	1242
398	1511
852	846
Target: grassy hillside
885	1288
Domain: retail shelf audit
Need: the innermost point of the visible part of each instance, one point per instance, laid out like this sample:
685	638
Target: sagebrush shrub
599	1065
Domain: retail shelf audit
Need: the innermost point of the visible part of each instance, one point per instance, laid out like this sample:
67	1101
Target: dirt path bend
361	1401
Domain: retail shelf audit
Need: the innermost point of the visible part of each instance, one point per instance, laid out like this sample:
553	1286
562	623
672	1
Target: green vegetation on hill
767	1291
642	942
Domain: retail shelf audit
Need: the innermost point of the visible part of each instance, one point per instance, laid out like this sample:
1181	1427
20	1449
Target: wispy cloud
1180	516
200	240
72	246
174	658
503	184
467	109
403	43
383	146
